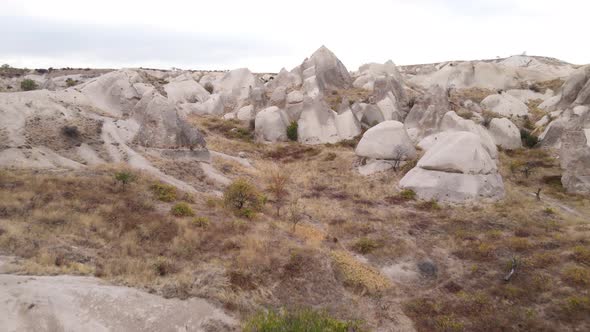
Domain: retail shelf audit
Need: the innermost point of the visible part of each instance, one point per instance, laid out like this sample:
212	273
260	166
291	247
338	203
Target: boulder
387	140
212	106
575	155
186	91
426	115
505	105
271	124
347	125
317	123
505	134
457	168
236	85
452	122
285	79
160	125
279	96
460	152
368	74
323	71
246	113
113	92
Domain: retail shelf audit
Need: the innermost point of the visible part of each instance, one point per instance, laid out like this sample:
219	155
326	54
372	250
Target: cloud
124	45
266	35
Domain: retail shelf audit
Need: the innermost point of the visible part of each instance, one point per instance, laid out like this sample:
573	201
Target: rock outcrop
456	169
505	133
387	140
505	104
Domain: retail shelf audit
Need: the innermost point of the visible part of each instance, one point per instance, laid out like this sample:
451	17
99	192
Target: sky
267	35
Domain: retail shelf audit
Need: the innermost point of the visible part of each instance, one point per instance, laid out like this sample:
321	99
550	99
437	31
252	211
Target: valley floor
363	251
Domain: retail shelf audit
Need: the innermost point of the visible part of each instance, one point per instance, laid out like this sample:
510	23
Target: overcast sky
266	35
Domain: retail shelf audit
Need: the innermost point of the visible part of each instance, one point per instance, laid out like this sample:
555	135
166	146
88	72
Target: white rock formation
505	134
456	169
387	140
271	124
505	105
452	122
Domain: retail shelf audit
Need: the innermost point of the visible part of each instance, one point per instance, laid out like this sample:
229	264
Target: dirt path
68	303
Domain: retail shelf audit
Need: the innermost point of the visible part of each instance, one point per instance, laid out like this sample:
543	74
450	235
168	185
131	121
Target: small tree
277	183
242	197
28	85
295	214
124	178
5	66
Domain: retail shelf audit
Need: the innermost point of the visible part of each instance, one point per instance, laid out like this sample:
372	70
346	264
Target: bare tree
400	154
277	187
295	214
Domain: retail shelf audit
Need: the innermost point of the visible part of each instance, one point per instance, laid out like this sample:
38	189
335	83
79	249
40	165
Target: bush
200	222
429	205
164	192
182	209
209	87
70	82
365	245
243	198
408	194
292	131
71	131
529	140
124	177
305	320
28	85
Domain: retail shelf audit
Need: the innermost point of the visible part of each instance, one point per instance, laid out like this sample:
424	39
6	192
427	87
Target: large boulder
236	85
317	123
427	113
452	122
575	155
185	90
456	169
322	72
271	124
368	74
161	126
505	105
505	134
113	92
387	140
347	124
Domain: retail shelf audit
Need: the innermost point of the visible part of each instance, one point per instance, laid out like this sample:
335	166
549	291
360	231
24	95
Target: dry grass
360	276
84	224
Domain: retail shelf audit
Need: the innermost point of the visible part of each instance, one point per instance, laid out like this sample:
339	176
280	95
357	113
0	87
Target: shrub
242	197
70	82
292	131
577	275
529	140
277	187
162	267
407	194
209	87
70	131
303	320
28	85
164	192
429	205
124	177
582	254
200	222
365	245
182	209
5	66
